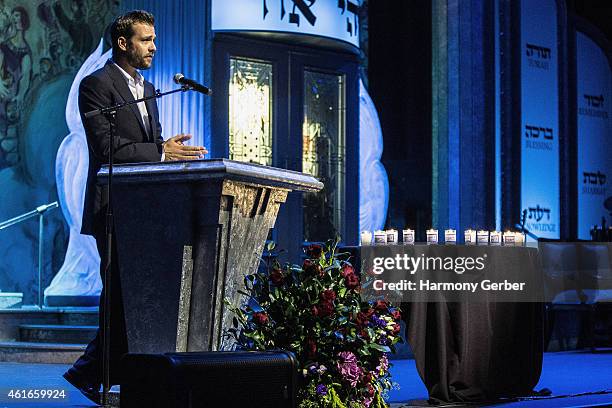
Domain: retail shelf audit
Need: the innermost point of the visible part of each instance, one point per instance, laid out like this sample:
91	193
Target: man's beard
138	61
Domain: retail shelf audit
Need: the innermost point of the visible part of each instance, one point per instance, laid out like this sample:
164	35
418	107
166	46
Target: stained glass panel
323	153
250	111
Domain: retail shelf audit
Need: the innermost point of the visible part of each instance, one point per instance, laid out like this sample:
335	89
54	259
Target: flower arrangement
315	311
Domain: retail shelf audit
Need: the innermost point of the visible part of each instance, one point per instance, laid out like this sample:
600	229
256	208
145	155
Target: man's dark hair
123	26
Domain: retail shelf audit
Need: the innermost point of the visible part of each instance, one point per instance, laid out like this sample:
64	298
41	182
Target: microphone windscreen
178	77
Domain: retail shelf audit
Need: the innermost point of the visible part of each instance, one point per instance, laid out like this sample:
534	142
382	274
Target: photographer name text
427	285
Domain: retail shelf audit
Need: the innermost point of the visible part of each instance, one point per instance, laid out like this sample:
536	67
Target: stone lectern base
187	233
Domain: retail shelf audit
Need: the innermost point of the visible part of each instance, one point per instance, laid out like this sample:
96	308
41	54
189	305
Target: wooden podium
187	233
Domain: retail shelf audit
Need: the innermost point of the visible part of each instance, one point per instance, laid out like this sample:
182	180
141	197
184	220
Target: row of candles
472	237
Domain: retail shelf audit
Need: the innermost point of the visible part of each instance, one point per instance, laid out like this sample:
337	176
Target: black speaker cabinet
241	379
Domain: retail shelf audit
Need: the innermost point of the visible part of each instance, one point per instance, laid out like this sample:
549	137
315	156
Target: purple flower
378	321
367	401
321	389
348	368
383	365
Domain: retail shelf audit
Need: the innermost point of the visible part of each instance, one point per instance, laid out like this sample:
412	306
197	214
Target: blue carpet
565	373
25	377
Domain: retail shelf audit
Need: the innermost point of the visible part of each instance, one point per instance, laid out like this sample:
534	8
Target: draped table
476	346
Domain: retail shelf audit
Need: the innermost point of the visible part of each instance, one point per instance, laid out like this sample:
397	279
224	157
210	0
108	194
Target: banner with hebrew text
594	144
337	19
540	201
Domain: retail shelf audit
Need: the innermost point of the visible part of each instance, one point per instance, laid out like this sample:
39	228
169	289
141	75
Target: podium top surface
195	170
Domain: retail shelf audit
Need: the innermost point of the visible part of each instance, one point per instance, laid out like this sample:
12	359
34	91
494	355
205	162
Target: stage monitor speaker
240	379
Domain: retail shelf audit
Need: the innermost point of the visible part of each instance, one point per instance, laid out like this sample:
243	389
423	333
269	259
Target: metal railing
40	212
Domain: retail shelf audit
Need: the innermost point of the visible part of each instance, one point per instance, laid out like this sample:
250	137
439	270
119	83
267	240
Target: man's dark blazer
104	87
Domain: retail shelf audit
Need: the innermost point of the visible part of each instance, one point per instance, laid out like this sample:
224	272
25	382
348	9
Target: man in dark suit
137	139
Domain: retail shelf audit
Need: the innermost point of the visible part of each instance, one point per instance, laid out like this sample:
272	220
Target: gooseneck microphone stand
110	113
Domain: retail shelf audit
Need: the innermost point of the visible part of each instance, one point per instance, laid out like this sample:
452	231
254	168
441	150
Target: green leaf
371	333
378	347
364	352
335	400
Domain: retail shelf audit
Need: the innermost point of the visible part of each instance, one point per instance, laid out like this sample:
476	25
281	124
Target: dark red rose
364	334
308	263
277	277
326	308
312	267
351	281
381	305
314	251
396	314
347	270
260	318
328	294
362	319
370	390
314	310
311	349
320	271
369	312
367	378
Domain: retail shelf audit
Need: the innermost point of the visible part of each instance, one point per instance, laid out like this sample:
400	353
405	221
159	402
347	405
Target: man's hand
175	149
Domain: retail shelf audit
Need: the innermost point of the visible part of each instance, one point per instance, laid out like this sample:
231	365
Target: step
11	319
10	300
48	333
72	301
29	352
87	317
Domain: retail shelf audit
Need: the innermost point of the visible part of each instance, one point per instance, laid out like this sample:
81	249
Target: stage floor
567	373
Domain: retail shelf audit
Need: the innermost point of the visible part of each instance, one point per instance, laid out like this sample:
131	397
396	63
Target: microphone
180	79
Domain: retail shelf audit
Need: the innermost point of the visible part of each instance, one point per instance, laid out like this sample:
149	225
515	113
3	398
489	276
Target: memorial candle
482	237
509	238
366	237
408	236
380	237
470	237
495	238
432	236
450	236
392	237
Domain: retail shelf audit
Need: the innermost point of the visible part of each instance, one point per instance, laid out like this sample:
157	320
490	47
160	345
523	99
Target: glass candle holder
380	237
366	237
408	236
392	237
432	237
470	237
509	238
482	237
450	236
495	238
